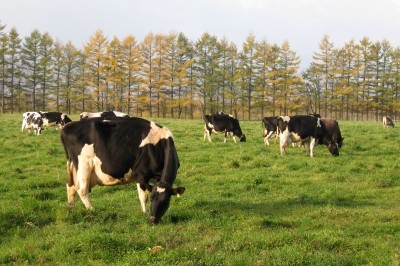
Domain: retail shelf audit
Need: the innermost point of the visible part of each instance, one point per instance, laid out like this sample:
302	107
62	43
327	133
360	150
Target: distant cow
306	129
269	128
102	114
120	150
32	120
222	123
54	118
332	127
387	121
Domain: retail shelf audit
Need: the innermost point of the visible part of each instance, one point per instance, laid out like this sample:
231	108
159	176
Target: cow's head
242	138
333	147
160	198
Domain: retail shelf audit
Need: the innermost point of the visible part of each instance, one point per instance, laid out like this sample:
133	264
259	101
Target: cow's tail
70	164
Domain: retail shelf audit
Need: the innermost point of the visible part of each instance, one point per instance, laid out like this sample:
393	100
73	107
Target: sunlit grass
244	203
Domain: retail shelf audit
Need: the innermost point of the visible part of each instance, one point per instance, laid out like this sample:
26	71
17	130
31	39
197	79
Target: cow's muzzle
153	220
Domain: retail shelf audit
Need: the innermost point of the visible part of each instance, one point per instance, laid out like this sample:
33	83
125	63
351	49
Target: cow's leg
233	137
83	181
142	197
71	189
312	144
207	133
282	143
269	134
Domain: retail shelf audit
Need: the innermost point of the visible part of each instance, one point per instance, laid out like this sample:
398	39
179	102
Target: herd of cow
110	148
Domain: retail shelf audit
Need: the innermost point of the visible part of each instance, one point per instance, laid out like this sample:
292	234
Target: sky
303	23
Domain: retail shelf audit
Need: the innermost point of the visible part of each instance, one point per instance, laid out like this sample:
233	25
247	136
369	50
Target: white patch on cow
295	137
319	122
46	122
160	189
155	134
210	125
90	173
285	118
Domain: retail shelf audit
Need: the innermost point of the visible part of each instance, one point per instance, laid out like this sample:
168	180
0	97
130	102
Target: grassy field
244	203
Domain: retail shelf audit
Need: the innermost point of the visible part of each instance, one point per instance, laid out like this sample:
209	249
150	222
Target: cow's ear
178	191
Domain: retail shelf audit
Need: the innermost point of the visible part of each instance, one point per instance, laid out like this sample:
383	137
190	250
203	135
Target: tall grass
244	203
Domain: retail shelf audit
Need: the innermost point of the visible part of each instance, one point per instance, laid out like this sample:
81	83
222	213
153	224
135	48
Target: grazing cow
269	128
121	150
222	123
32	120
54	118
102	114
332	127
387	121
306	129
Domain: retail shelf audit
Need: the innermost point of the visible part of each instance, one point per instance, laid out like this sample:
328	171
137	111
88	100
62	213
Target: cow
223	123
332	127
269	128
84	115
387	121
121	150
32	120
306	129
54	118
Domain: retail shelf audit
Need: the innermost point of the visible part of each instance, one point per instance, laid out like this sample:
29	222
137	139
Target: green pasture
244	204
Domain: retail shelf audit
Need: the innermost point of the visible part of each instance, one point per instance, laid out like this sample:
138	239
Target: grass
244	203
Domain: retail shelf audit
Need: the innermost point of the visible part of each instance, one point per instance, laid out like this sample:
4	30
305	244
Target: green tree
14	68
3	64
323	64
31	57
72	76
46	66
207	65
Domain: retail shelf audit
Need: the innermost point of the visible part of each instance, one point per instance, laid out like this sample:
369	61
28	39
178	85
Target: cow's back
116	142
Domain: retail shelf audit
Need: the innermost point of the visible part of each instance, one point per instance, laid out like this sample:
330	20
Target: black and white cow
332	127
222	123
102	114
306	129
120	150
54	118
269	128
387	121
32	120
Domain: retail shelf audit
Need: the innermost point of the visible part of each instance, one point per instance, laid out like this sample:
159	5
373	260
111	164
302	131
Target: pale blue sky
302	22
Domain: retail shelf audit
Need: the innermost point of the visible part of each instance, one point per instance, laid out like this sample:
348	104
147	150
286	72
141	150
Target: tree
73	62
131	64
323	64
148	53
95	54
46	65
206	68
290	81
3	64
114	75
31	65
249	72
14	68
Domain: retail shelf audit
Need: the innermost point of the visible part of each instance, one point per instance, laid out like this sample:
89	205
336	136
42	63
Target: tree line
168	75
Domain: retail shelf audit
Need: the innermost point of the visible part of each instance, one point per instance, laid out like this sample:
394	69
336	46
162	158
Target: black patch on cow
224	123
